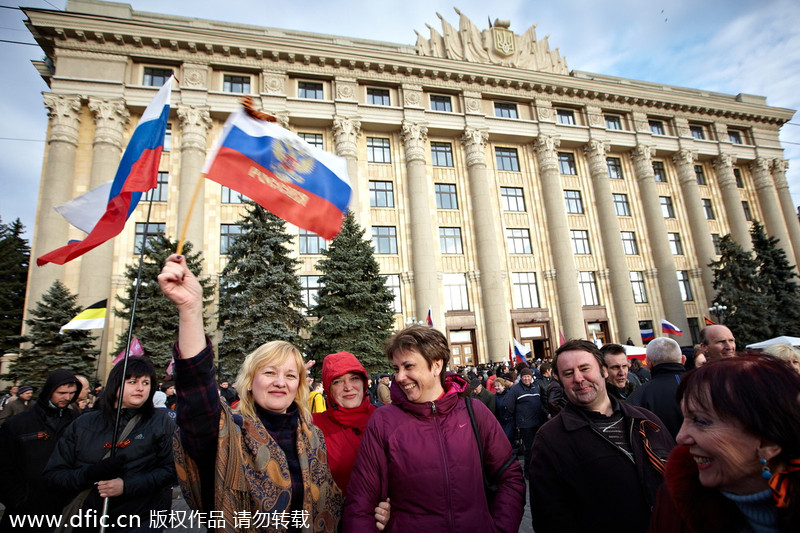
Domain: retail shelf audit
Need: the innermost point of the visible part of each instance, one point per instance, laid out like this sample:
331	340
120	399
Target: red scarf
355	418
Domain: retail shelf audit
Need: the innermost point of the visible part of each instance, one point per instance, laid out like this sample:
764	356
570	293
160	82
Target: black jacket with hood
26	442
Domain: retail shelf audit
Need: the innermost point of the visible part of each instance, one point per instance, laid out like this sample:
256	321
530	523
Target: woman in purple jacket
422	453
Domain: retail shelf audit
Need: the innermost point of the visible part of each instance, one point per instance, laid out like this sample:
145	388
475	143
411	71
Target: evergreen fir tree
156	320
14	259
353	305
73	350
260	294
776	279
736	280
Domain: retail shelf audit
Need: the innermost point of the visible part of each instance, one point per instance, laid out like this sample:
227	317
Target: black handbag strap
486	482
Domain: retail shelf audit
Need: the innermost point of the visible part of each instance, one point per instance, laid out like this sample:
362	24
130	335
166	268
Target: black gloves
106	469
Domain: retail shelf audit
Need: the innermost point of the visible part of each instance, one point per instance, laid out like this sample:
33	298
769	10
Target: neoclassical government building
511	196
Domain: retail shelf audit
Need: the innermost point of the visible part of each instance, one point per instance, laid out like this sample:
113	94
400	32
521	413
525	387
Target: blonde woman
267	463
788	353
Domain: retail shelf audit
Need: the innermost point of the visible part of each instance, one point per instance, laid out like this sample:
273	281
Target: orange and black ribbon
655	460
779	483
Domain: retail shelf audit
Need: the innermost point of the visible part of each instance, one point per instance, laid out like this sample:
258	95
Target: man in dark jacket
526	404
479	392
665	359
20	405
596	453
26	442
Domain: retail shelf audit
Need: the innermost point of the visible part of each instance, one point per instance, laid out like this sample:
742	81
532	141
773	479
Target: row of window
315	90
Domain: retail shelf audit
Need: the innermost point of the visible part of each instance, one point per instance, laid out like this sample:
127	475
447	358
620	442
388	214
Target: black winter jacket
658	395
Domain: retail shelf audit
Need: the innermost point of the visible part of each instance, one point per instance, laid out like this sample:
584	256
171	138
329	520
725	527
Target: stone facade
497	183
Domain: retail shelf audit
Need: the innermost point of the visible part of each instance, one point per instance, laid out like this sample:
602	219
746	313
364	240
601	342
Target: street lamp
718	311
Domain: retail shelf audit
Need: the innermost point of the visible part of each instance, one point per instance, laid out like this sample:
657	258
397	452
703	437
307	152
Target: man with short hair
9	397
618	366
665	359
596	454
717	342
526	403
26	443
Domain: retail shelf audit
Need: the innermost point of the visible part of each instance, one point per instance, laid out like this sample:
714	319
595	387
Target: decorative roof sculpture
496	45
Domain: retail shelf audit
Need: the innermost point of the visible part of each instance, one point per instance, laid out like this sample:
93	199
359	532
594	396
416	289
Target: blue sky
728	46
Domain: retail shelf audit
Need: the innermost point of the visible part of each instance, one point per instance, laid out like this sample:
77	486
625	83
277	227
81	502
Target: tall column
195	121
110	117
566	275
51	230
667	278
496	315
423	244
345	134
624	308
740	229
787	206
703	247
770	207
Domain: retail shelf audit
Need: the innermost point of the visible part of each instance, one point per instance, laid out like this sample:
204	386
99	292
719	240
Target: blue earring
765	471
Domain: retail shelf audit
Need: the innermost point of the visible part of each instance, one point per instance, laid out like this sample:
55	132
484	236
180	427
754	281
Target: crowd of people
605	442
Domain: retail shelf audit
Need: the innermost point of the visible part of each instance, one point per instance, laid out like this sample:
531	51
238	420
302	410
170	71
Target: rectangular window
700	175
159	194
393	284
566	164
698	132
156	77
748	216
440	102
450	241
659	173
614	168
573	201
168	138
666	206
310	89
621	205
519	240
507	159
656	127
377	96
314	139
227	234
629	243
445	196
685	286
715	242
505	110
580	242
384	239
236	84
455	292
588	285
735	136
442	154
153	229
737	174
694	329
526	292
229	196
675	244
613	122
708	208
378	150
381	194
309	289
566	116
638	286
513	199
311	243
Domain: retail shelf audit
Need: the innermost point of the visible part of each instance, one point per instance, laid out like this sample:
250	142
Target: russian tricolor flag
283	173
670	328
137	173
520	350
429	320
647	334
